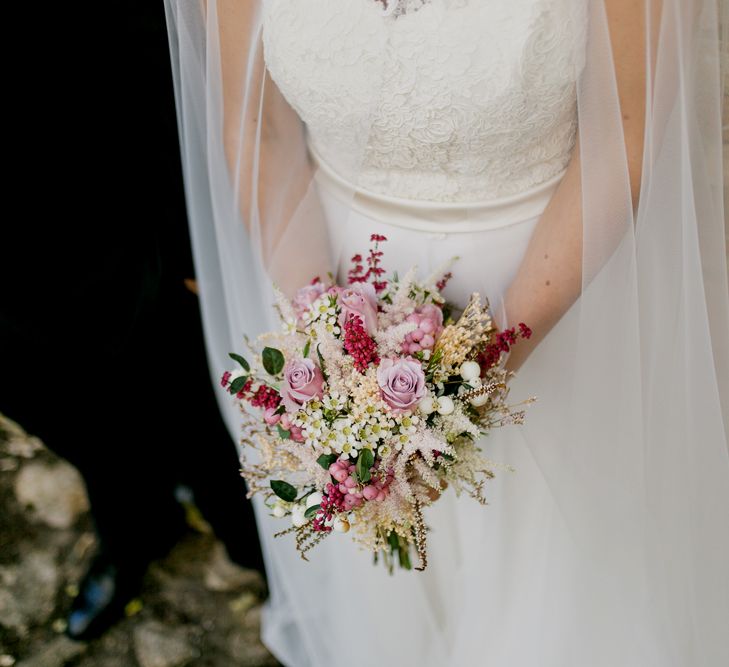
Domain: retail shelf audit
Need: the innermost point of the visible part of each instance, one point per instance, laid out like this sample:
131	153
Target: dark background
101	351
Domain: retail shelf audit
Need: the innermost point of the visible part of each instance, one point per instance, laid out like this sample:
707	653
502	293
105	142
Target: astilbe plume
502	343
374	269
443	281
358	344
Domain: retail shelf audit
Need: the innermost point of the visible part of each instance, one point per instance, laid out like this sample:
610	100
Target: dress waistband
433	216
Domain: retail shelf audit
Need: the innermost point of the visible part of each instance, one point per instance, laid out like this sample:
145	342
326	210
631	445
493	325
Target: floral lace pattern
440	100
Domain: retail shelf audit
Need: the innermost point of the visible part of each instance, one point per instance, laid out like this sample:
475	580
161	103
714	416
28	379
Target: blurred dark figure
101	348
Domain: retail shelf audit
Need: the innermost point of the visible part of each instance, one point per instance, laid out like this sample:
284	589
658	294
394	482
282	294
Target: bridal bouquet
368	402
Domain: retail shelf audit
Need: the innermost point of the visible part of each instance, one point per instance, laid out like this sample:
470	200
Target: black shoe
103	593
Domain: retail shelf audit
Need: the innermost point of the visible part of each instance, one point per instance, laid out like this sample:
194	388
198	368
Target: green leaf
404	556
285	435
325	460
393	540
273	360
240	360
283	490
238	384
306	348
365	460
311	511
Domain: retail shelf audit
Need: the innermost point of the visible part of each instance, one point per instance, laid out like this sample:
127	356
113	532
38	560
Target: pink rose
359	299
402	383
305	297
303	381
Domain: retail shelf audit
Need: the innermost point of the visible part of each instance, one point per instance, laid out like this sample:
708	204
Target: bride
569	153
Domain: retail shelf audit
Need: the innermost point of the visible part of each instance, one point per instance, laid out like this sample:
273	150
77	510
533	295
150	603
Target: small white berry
478	401
297	516
340	525
279	511
445	405
469	370
426	405
314	499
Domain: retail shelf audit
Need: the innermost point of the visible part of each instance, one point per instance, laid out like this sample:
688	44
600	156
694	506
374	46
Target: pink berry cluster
358	344
332	503
429	319
263	397
502	343
354	493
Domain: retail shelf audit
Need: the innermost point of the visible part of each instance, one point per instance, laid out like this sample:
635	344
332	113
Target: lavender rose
303	381
305	297
359	299
402	383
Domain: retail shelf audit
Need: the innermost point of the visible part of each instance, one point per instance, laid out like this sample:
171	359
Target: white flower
408	424
401	440
289	327
334	401
349	448
279	510
384	451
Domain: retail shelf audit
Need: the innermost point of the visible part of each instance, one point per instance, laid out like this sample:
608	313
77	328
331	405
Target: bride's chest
450	83
341	52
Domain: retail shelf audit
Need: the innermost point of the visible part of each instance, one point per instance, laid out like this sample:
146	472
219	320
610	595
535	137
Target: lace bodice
458	100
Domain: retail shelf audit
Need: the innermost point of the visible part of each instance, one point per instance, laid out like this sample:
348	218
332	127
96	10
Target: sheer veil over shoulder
449	126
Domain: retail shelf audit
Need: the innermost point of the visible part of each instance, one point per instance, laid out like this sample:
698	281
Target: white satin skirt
489	237
486	591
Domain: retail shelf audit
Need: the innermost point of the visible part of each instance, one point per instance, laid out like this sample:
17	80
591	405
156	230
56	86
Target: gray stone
55	492
158	646
8	464
222	575
55	653
32	585
10	616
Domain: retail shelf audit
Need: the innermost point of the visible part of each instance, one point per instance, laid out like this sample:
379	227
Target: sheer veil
630	432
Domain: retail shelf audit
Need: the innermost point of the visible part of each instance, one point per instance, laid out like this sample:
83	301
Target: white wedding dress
448	126
472	122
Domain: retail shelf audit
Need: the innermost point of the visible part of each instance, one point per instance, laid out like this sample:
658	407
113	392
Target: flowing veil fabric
630	432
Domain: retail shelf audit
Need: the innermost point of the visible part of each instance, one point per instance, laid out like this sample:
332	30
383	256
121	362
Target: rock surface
196	606
55	493
158	646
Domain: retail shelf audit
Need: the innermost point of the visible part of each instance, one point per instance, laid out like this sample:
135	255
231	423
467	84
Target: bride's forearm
549	279
550	276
